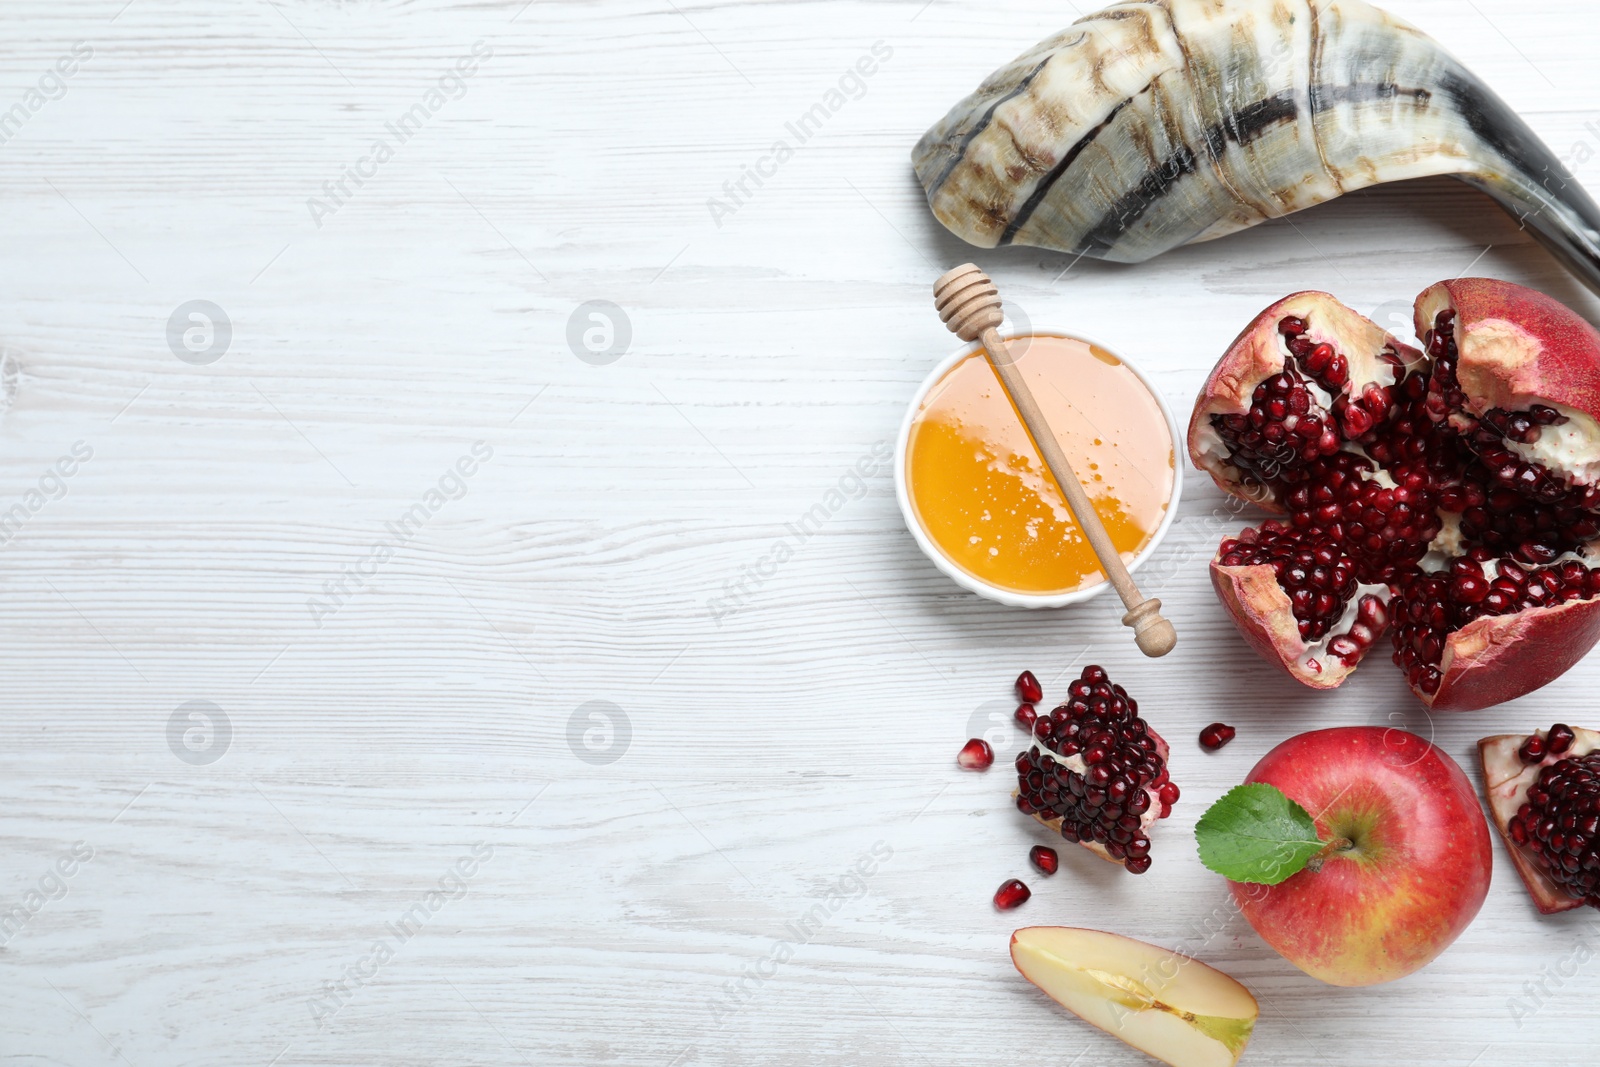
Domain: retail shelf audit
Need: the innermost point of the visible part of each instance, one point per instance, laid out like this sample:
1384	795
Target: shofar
1151	125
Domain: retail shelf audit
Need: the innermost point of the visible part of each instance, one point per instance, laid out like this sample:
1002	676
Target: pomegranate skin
1492	660
1260	611
1517	345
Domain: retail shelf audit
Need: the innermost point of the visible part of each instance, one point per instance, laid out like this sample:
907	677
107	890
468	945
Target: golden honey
984	496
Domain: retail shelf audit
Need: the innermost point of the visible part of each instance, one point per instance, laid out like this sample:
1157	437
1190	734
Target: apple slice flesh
1161	1002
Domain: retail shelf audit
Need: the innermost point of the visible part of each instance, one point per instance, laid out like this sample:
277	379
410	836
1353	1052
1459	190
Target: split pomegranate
975	755
1450	496
1544	795
1044	857
1097	773
1011	894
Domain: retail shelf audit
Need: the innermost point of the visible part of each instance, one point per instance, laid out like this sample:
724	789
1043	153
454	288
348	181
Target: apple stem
1338	844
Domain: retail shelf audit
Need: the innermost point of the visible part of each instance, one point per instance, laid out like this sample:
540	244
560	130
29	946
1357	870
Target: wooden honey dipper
969	304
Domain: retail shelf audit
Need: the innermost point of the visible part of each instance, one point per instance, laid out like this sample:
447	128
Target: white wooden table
397	691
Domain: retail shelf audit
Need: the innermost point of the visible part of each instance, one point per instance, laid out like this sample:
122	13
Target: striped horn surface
1151	125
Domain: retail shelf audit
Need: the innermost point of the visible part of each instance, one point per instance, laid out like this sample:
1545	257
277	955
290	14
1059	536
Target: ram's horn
1154	124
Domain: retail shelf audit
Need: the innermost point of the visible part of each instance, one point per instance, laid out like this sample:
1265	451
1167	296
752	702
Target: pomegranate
1450	496
1097	773
1544	795
1011	894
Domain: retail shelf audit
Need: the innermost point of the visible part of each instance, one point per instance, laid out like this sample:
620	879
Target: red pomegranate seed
1026	716
1559	739
1011	894
975	755
1044	858
1028	689
1216	735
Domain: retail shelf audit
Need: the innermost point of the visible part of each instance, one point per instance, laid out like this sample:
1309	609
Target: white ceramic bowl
1011	597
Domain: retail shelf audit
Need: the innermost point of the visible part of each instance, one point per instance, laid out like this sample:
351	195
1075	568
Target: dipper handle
969	304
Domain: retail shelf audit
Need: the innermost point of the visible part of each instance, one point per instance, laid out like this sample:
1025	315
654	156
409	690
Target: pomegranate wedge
1544	795
1097	773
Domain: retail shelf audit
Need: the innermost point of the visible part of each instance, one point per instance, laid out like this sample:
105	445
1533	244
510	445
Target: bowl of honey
978	497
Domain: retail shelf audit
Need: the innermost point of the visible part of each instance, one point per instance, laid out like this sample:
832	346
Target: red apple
1416	870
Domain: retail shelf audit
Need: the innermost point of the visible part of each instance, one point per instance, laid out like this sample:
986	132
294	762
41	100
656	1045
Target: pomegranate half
1448	495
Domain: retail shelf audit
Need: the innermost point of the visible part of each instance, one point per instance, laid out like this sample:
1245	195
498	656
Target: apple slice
1506	780
1161	1002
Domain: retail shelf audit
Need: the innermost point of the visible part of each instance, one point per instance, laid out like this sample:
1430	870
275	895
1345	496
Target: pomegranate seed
1216	735
975	755
1044	858
1559	738
1011	894
1026	716
1469	588
1028	689
1532	749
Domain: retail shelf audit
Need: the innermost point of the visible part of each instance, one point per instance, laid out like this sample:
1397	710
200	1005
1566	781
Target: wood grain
772	743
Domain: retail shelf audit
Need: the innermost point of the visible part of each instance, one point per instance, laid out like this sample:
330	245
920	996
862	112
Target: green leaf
1256	834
